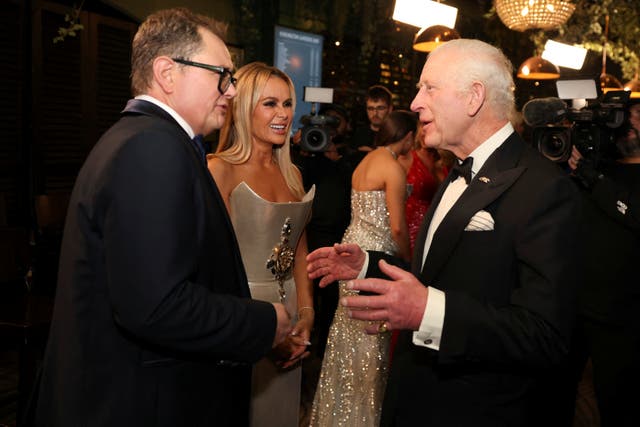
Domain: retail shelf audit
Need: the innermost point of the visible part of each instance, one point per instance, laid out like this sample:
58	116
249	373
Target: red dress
422	185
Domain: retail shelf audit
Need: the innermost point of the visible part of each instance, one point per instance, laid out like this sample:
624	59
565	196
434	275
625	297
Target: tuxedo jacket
153	323
509	298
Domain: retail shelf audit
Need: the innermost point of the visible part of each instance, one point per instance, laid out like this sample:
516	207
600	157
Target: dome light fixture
521	15
427	39
538	68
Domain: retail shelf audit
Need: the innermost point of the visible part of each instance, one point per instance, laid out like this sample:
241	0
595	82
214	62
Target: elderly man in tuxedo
486	312
153	323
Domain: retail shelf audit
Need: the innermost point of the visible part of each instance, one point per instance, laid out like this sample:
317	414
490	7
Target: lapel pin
484	179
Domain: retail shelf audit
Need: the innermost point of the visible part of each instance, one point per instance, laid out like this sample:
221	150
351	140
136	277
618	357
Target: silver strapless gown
260	226
355	366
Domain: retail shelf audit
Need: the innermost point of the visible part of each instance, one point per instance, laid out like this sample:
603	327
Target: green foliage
586	28
73	27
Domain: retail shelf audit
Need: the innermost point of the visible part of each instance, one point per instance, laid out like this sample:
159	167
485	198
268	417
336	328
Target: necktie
198	143
462	169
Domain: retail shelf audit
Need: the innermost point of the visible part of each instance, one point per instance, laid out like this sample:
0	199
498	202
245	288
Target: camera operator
330	172
609	299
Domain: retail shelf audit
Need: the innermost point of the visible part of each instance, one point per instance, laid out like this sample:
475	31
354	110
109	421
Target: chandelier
521	15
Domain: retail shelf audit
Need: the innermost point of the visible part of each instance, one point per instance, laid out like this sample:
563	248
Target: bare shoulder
223	173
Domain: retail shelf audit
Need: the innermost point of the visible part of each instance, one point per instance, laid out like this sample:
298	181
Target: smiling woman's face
273	113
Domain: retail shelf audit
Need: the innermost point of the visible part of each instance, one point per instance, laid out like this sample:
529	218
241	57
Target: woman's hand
295	347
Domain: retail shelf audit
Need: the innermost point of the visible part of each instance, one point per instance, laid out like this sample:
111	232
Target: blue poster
299	54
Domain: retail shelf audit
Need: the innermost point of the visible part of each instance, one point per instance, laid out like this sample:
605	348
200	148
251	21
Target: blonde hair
235	136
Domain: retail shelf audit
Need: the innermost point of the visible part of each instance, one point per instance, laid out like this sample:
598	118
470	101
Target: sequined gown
260	226
354	370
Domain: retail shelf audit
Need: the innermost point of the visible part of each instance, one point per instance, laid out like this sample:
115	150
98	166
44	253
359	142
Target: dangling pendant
281	260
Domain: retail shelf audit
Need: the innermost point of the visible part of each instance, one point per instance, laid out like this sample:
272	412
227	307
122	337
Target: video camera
592	129
317	130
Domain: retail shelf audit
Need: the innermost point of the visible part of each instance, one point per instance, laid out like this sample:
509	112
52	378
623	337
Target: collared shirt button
428	341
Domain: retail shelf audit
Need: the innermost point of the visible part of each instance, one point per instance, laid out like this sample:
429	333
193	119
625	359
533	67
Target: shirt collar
486	149
169	110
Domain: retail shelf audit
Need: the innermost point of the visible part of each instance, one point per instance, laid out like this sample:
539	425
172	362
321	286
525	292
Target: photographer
609	298
330	172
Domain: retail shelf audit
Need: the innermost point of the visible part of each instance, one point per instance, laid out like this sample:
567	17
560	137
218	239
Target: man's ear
477	95
164	70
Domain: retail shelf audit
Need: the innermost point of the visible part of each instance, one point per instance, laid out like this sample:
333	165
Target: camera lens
314	138
553	142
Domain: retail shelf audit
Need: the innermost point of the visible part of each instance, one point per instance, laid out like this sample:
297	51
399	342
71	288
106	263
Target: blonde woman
265	199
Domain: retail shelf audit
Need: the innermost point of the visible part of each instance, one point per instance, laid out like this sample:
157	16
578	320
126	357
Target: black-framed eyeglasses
226	76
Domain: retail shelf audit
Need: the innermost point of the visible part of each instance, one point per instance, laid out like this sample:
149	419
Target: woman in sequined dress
354	370
265	198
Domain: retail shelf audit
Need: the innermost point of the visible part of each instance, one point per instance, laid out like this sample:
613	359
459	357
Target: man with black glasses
153	322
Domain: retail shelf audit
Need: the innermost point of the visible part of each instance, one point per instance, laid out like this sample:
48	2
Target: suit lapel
498	173
139	106
418	251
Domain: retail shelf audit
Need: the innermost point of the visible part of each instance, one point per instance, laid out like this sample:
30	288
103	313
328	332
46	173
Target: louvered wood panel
61	114
113	69
12	87
83	83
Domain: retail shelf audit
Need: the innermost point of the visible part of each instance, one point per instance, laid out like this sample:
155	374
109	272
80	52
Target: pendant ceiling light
427	39
633	86
521	15
537	68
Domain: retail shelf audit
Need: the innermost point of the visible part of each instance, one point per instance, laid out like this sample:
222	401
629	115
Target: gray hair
481	62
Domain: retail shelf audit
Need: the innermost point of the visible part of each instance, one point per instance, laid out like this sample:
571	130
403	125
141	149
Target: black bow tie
462	169
198	143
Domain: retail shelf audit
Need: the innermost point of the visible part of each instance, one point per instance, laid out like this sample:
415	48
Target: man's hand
343	261
400	302
583	169
283	327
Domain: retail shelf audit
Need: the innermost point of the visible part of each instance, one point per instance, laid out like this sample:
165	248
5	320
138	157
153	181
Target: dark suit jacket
153	323
509	299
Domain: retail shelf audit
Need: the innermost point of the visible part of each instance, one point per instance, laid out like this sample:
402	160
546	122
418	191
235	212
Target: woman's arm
300	336
395	181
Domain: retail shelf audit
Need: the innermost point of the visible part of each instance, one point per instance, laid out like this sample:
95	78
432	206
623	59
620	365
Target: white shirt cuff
430	331
365	267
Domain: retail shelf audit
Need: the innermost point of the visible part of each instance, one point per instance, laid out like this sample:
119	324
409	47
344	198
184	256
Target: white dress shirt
171	111
430	331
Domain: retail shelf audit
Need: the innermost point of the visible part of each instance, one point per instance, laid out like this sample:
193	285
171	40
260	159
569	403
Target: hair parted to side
379	93
169	32
396	126
477	61
235	136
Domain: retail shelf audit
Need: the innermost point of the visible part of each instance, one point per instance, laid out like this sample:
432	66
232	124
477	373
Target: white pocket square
481	221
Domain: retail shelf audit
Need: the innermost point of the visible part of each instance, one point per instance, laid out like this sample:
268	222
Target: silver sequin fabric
355	366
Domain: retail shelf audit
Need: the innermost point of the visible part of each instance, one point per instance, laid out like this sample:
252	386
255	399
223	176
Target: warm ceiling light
521	15
427	39
634	87
537	68
564	55
421	13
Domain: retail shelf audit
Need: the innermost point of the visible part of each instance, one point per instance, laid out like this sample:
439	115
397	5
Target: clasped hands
291	344
398	303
